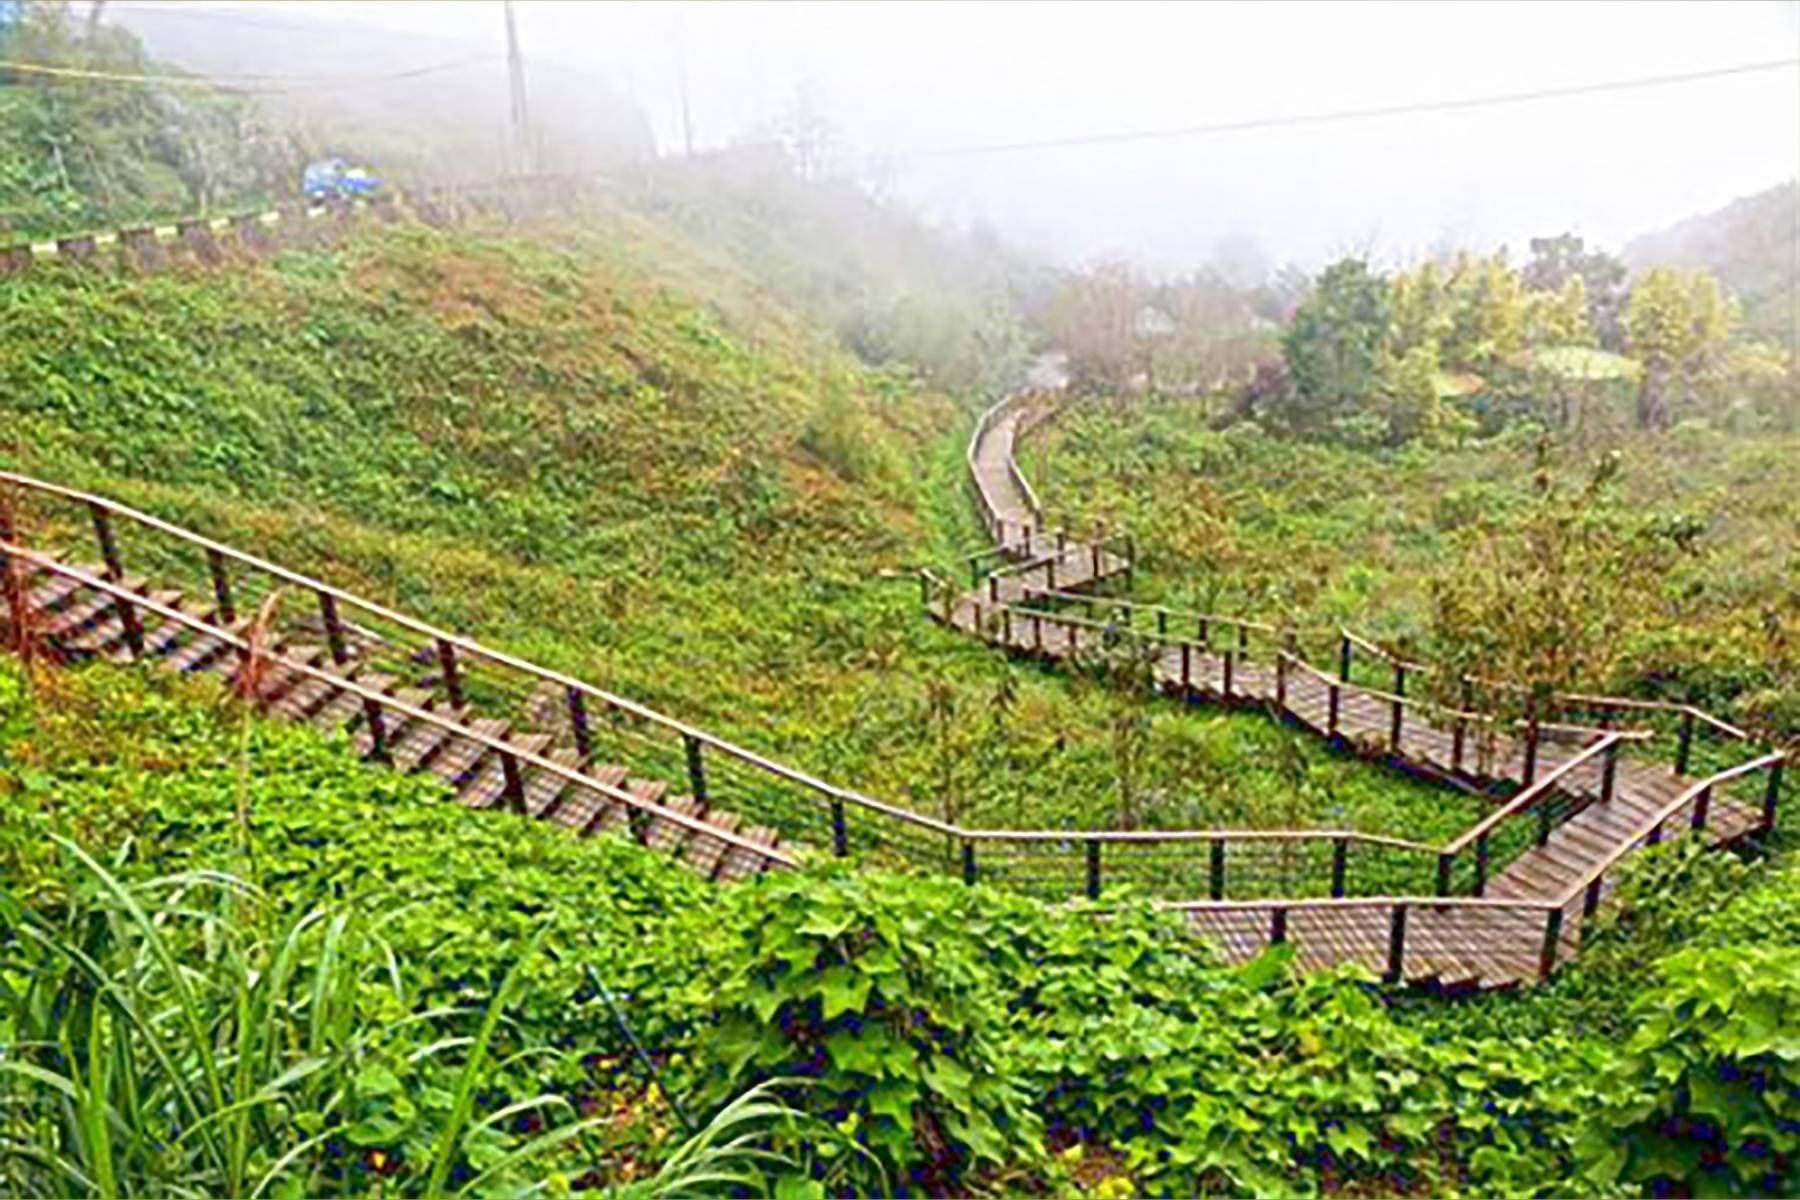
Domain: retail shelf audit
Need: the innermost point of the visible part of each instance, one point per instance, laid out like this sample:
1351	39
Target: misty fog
920	102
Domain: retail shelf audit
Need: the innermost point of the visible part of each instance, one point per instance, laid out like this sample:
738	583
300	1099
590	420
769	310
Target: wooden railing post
1230	659
1340	853
1685	746
334	628
696	767
1281	674
1344	651
994	589
1278	926
1333	704
1553	924
1481	863
1609	771
109	546
1215	881
1590	900
968	861
1050	570
377	719
1162	622
224	611
453	687
1396	963
515	783
1243	642
1702	808
1459	734
1446	864
115	571
1531	739
1187	669
1399	707
578	722
840	829
1037	633
1093	868
1771	797
1006	626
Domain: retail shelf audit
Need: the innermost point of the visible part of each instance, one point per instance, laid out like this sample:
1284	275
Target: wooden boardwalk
509	735
1530	910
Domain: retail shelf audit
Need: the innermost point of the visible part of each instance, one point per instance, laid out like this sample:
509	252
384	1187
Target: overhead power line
238	83
1119	137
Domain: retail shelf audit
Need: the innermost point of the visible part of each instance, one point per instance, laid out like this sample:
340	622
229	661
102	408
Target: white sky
899	77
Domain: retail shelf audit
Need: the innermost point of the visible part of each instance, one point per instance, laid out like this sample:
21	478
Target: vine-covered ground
433	997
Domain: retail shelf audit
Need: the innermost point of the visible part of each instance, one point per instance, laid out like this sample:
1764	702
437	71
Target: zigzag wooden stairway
500	732
1586	797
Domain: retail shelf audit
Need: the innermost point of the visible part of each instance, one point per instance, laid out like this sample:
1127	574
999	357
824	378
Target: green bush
1705	1099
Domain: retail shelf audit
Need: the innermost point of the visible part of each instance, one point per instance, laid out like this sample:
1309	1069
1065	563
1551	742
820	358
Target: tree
1559	318
1678	324
1334	347
1487	314
1556	260
1094	317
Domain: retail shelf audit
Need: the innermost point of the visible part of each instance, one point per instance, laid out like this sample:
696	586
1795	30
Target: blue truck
335	179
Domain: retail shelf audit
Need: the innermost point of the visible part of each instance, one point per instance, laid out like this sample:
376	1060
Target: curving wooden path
1530	909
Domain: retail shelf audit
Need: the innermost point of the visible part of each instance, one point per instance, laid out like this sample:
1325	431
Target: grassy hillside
79	152
1246	522
613	453
412	992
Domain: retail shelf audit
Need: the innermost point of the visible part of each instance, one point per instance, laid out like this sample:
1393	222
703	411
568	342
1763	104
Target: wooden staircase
301	678
1518	923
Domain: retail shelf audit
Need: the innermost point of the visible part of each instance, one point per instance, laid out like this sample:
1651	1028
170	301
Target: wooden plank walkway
530	763
1506	939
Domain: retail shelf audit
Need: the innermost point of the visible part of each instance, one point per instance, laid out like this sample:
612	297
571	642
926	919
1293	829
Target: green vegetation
76	155
1673	577
397	990
691	499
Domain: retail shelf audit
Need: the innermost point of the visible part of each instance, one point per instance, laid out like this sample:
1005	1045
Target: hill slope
1749	245
688	496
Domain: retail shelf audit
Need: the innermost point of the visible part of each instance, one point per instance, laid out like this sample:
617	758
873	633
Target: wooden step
488	787
702	852
456	762
588	810
88	608
548	788
394	724
739	863
345	708
421	740
57	590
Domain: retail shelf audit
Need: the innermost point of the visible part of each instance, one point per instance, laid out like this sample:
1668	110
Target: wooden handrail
1662	816
1345	903
1605	743
1137	606
1577	699
1195	835
498	657
387	702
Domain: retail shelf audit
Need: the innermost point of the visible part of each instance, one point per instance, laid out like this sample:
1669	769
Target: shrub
1705	1099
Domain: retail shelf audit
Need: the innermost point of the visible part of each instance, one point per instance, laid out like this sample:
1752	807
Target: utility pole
687	123
524	151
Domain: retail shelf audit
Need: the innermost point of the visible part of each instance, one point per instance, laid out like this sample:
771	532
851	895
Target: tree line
1458	344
